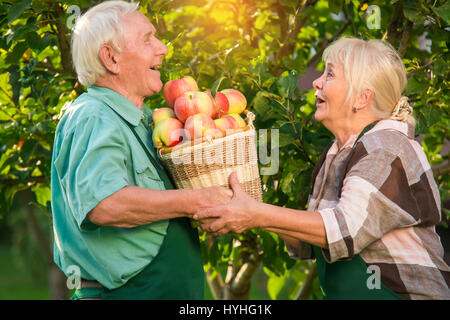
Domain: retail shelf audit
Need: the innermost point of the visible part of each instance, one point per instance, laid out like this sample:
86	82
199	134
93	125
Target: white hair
99	25
376	65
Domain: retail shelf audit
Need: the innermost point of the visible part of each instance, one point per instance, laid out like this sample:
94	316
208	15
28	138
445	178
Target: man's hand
235	216
211	197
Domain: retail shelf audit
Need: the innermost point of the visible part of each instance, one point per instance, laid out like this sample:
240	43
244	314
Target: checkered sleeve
378	195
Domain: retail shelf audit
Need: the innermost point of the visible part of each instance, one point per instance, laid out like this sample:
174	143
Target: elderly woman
374	204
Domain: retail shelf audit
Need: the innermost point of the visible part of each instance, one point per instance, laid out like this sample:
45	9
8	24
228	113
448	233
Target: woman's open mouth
319	101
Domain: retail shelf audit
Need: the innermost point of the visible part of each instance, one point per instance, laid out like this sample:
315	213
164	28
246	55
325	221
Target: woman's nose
317	84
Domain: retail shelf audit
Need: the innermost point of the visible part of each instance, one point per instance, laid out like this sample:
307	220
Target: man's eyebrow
149	34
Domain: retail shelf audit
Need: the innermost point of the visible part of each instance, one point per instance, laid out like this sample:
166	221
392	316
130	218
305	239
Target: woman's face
331	93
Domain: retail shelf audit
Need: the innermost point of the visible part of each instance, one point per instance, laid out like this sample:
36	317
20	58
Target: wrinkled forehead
137	25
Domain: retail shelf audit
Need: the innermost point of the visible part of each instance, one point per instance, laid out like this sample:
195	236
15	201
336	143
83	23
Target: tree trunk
56	278
57	283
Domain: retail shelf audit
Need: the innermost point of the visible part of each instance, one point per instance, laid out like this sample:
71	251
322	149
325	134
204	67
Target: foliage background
268	49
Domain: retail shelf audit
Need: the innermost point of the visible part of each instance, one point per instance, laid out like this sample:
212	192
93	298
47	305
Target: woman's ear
109	57
364	99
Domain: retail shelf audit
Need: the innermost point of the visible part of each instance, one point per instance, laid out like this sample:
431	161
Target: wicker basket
206	163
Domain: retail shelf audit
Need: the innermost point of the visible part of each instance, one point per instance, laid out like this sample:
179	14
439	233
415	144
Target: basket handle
250	118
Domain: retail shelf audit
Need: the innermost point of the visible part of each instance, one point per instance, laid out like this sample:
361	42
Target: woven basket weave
202	164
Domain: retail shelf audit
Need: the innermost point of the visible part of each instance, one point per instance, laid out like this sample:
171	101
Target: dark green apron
348	279
176	273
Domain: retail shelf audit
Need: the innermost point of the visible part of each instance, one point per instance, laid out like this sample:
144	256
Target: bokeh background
268	49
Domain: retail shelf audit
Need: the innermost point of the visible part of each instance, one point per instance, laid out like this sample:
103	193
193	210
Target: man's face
141	53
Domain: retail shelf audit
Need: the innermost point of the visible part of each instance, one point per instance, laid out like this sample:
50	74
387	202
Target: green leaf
444	11
286	139
262	19
415	87
275	285
287	84
216	85
17	52
17	8
335	5
43	194
260	104
272	96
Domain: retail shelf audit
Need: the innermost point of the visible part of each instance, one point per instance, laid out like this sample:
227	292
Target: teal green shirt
95	154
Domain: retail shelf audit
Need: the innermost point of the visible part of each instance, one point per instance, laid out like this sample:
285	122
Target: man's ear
109	57
364	99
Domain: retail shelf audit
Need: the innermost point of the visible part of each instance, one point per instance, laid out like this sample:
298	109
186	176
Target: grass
16	282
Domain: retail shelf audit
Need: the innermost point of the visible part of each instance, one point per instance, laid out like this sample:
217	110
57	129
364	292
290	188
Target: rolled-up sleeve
91	165
372	203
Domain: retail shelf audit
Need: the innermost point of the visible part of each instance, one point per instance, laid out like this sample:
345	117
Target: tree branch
287	44
428	64
64	47
405	38
240	286
11	182
441	169
215	284
395	24
306	289
326	42
42	241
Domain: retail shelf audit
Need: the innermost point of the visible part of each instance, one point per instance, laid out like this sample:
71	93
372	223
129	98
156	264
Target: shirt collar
348	144
120	104
403	127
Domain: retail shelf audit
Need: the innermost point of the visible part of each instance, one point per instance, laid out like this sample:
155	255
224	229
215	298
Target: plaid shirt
383	204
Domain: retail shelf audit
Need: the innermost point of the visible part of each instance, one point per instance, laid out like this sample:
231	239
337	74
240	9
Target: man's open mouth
155	67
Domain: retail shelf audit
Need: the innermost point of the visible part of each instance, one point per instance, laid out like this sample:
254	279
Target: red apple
226	123
236	100
197	125
168	132
240	122
161	114
175	88
213	133
220	102
191	103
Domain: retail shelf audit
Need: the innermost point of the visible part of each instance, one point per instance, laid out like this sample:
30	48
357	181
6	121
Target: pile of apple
194	114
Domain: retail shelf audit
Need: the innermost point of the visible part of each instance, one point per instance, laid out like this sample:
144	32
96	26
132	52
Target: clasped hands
235	216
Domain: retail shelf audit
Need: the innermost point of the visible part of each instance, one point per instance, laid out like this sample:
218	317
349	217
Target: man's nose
163	51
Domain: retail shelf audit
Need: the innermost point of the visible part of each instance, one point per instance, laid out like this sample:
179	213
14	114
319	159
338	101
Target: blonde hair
99	25
375	65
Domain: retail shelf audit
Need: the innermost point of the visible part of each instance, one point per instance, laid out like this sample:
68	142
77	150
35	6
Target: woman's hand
235	216
211	197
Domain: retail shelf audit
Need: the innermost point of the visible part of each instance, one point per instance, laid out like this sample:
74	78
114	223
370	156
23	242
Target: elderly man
114	218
